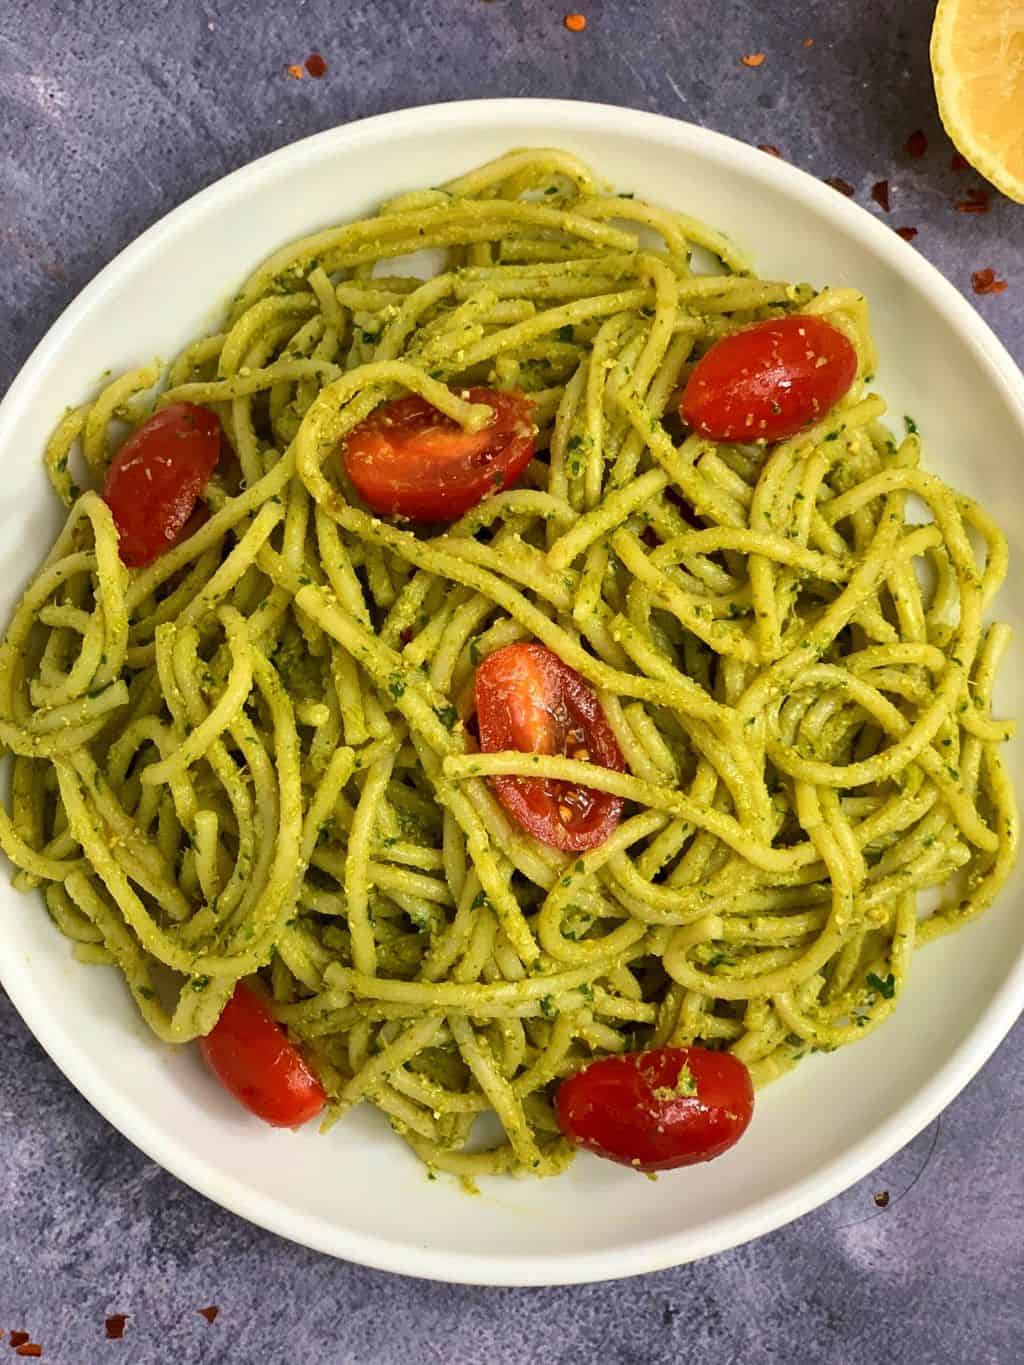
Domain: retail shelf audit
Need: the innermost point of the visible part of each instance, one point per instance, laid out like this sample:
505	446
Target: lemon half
978	63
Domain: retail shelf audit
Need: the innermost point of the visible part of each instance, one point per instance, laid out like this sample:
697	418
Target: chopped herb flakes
886	988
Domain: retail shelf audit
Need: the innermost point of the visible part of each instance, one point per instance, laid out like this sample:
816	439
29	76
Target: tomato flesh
410	460
769	381
158	476
657	1110
251	1056
529	700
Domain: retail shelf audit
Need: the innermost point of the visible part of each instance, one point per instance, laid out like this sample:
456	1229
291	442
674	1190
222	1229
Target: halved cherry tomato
528	699
251	1056
409	460
654	1111
768	381
157	477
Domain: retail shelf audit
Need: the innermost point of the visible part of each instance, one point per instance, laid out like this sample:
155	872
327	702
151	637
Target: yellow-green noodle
250	758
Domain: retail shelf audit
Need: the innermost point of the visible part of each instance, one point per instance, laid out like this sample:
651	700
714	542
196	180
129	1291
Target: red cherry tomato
527	699
157	477
409	460
251	1056
654	1111
768	381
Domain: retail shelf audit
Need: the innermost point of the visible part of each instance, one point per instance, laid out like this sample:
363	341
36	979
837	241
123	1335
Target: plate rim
716	1234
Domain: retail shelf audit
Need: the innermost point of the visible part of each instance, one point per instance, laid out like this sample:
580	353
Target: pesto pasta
252	755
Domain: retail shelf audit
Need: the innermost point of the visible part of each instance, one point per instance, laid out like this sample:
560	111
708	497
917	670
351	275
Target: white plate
357	1193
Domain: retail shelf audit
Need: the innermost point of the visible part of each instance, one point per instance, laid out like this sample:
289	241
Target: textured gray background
111	113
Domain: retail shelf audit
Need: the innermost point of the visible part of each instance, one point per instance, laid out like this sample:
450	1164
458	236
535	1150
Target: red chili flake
115	1326
316	66
210	1314
907	233
753	59
880	194
295	72
985	282
31	1348
19	1338
958	163
838	183
977	201
771	149
917	143
575	23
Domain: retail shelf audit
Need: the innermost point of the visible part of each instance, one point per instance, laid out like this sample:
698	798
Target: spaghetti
252	756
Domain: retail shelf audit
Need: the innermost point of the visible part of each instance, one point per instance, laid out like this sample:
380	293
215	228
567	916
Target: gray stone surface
111	113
